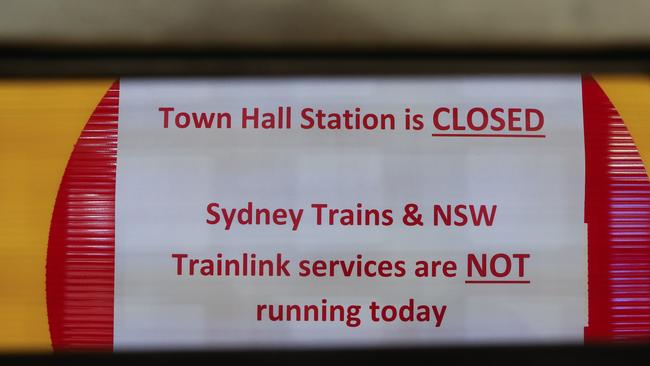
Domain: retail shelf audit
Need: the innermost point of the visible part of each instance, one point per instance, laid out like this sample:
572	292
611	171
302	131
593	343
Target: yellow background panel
630	94
39	124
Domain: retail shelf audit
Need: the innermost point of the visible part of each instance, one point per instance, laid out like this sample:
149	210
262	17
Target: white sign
335	212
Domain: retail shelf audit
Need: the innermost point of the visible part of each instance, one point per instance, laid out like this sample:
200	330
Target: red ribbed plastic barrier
81	248
80	264
617	211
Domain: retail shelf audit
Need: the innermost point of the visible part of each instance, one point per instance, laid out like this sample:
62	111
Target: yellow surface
39	124
630	95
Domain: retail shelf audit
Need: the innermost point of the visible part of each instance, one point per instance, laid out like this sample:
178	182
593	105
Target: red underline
496	281
503	135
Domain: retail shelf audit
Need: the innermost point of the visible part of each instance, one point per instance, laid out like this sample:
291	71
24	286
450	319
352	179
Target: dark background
199	38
